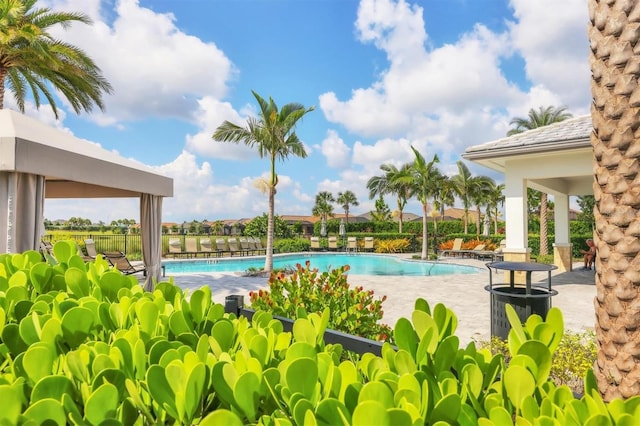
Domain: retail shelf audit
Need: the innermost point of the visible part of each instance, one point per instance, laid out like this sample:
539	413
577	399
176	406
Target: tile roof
571	133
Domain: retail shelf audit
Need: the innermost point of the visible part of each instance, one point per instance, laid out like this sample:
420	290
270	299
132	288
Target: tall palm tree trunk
268	260
425	233
544	225
615	113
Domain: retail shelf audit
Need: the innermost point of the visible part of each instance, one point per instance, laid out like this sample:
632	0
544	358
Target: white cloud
371	157
559	59
457	95
335	150
196	190
156	69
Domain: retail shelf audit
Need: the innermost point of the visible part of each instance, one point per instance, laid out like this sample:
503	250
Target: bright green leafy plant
83	344
354	310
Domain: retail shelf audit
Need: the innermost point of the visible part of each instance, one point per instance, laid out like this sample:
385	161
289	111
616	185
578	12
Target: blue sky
383	75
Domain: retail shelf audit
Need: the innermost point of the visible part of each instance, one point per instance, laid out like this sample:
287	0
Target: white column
515	211
561	218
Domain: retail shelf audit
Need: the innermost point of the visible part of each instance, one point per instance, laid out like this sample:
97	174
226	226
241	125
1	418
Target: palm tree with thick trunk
615	113
273	134
33	61
347	199
424	181
392	181
541	117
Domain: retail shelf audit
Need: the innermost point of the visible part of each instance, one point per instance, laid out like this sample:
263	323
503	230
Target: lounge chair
244	245
252	245
257	242
368	244
455	250
90	246
315	243
352	244
205	246
233	246
221	246
119	261
333	243
175	246
82	255
46	249
190	246
476	252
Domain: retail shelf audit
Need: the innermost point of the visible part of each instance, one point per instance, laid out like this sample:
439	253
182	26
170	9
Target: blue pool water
361	264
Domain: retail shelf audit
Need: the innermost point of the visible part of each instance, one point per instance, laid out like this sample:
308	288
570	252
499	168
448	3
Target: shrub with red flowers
353	310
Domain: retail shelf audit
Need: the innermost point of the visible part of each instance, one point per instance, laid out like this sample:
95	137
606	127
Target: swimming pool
361	264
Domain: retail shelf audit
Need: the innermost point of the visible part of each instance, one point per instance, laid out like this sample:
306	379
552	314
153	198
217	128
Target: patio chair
221	246
352	244
119	260
46	249
205	247
82	255
90	246
233	246
190	246
315	243
368	244
455	250
175	246
333	243
257	242
252	245
244	245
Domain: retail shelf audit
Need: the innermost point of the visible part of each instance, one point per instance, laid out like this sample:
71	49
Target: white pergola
38	162
555	159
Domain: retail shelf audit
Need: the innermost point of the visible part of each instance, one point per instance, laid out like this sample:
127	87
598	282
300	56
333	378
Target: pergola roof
73	167
559	157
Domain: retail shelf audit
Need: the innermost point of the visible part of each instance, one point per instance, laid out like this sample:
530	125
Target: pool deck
464	294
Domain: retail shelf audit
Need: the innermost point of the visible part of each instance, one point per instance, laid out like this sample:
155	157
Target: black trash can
526	300
536	301
233	304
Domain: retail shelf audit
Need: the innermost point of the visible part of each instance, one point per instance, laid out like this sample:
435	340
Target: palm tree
540	118
32	60
424	183
393	181
614	113
346	199
323	206
463	186
481	190
496	199
273	134
445	194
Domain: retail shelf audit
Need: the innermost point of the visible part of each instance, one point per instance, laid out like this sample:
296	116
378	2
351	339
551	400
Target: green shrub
574	357
291	245
83	344
353	310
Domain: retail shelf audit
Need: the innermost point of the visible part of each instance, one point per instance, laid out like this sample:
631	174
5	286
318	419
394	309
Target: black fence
130	244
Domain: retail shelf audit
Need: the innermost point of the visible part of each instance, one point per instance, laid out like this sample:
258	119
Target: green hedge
83	344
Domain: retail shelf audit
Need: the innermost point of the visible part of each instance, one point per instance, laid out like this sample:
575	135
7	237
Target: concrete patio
465	294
